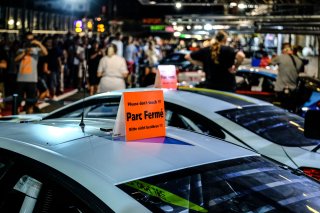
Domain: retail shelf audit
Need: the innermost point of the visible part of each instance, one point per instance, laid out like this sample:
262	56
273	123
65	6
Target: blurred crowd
97	63
72	61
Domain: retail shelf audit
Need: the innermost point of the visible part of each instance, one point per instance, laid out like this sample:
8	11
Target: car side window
183	118
29	186
103	111
94	108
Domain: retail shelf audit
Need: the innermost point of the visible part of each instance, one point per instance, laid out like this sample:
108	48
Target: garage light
197	27
233	4
11	22
242	6
176	34
180	28
207	27
178	5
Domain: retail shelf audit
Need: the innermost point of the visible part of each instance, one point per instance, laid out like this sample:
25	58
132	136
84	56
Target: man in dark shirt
219	62
3	67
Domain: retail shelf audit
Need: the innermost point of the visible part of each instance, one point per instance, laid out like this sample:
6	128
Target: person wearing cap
219	63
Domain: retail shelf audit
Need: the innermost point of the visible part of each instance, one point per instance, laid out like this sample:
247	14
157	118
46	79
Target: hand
47	72
232	69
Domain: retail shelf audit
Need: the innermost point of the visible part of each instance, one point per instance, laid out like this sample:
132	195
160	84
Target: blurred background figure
289	68
152	54
219	62
113	70
3	69
95	55
27	78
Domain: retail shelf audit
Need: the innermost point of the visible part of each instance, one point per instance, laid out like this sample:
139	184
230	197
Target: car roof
198	97
113	159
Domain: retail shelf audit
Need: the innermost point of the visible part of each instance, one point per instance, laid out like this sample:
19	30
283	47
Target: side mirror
312	124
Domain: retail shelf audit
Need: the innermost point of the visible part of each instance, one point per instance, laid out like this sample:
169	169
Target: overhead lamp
188	27
220	27
242	6
197	27
11	22
152	2
176	34
180	28
207	27
233	4
178	5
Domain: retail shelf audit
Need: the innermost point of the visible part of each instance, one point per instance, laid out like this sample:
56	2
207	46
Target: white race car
248	122
57	166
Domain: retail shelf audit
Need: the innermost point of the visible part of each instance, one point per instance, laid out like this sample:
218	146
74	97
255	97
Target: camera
28	44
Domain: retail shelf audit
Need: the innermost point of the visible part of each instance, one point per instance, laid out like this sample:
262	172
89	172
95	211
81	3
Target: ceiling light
207	27
242	6
11	22
176	34
174	23
233	4
178	5
152	2
197	27
180	28
188	27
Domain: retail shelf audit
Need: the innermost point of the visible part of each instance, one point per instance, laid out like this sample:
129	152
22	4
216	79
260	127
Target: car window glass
272	123
28	186
249	184
75	114
180	117
103	111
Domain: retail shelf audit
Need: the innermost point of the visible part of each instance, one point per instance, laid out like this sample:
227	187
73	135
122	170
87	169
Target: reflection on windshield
272	123
242	185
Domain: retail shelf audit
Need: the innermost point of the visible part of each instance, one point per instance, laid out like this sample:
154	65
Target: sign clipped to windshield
141	115
166	77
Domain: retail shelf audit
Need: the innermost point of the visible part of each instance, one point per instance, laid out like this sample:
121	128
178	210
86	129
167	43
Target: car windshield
249	184
271	123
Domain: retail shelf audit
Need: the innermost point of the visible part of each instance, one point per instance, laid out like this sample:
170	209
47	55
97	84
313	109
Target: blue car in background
259	83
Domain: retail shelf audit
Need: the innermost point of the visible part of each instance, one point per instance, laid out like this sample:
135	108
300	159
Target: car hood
304	157
115	160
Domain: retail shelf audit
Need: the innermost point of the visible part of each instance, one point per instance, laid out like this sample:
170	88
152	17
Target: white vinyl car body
206	111
57	166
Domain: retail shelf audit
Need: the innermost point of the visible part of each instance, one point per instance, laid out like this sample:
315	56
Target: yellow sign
141	115
100	28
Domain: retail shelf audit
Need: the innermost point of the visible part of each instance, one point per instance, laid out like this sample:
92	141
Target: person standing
52	66
219	63
95	54
3	68
113	70
131	52
287	78
27	78
118	42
